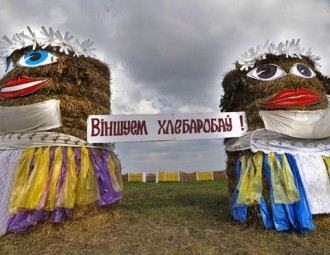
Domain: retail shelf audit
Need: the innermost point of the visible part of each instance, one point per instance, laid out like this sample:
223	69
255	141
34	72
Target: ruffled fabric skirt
297	174
39	183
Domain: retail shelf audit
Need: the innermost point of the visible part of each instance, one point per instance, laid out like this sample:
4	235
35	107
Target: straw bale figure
53	82
271	78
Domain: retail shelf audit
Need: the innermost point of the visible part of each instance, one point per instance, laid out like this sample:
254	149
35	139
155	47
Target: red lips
21	86
291	98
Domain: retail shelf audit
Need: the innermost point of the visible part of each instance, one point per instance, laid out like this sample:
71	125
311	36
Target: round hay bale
244	93
81	83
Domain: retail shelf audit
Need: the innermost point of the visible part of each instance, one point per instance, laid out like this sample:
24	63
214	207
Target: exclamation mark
241	120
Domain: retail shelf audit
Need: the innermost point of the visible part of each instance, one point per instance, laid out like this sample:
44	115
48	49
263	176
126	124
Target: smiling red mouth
291	98
21	86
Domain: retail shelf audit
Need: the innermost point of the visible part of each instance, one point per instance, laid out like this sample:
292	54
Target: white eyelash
289	49
48	37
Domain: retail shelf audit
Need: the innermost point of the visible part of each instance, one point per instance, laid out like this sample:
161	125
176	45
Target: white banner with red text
164	127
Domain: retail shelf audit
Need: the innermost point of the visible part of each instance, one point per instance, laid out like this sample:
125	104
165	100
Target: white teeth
20	87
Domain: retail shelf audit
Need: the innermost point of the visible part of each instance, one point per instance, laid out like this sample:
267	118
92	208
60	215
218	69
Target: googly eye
302	70
266	72
9	65
37	58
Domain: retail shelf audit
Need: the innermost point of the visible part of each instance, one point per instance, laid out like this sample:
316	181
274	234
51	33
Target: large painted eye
266	72
302	70
37	58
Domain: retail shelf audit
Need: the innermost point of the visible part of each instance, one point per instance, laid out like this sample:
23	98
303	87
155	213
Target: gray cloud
183	49
169	55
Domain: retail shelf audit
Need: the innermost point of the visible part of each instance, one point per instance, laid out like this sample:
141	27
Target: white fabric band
270	141
300	124
35	117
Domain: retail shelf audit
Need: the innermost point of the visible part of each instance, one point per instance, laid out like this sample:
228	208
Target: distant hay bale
151	178
187	176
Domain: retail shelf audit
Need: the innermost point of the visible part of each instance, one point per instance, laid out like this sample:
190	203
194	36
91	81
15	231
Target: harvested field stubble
164	218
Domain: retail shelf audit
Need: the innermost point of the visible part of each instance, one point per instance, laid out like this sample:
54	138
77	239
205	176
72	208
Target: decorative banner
164	127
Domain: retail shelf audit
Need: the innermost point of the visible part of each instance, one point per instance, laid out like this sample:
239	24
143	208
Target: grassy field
164	218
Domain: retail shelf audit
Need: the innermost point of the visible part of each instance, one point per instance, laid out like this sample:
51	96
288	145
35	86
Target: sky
169	56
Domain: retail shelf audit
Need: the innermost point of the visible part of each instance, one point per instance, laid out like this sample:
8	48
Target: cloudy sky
169	56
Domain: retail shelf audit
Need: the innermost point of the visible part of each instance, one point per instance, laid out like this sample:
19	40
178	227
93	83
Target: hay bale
82	85
242	93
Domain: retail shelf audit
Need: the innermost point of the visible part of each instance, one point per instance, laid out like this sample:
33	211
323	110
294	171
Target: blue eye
37	58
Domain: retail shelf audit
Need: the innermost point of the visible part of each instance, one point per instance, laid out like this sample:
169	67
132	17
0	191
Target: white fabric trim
308	154
35	117
300	124
239	143
316	181
270	141
23	140
37	139
8	162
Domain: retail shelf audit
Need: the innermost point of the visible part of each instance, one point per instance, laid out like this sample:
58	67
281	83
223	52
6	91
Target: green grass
165	218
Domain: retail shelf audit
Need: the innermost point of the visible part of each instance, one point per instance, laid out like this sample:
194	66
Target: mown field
164	218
